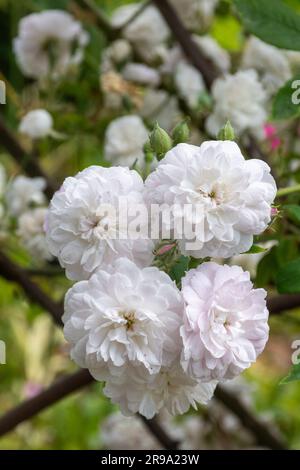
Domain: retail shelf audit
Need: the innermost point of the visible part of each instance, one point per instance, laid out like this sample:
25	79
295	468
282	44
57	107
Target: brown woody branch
26	161
263	434
60	389
188	45
277	304
12	272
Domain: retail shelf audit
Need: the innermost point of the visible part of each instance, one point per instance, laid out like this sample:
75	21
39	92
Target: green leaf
293	212
272	21
283	105
266	269
232	40
179	269
255	249
293	375
288	278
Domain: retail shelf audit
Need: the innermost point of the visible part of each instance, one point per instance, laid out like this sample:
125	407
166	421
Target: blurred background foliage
36	351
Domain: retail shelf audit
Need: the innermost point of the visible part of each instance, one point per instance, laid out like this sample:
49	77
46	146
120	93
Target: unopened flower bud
181	133
160	141
227	132
149	155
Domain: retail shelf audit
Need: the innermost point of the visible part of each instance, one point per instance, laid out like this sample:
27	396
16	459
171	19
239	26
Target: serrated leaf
272	21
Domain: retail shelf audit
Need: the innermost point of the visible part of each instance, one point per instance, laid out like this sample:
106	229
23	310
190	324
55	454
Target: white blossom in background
159	106
196	14
83	226
241	99
36	124
230	197
170	389
226	322
45	44
118	52
141	73
23	193
271	63
124	141
146	32
123	318
209	48
189	83
120	432
32	234
212	50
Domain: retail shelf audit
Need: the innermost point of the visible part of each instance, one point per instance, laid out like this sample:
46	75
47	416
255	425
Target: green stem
290	190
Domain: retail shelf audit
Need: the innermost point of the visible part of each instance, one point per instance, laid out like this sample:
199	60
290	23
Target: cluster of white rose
156	346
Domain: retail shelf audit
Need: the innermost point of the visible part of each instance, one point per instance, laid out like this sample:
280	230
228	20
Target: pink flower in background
31	389
272	136
270	131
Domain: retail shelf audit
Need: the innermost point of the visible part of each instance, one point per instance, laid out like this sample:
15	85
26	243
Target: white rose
24	192
146	32
229	197
32	234
84	225
226	322
270	62
240	98
213	51
122	318
45	44
196	14
189	83
141	73
124	141
159	106
36	124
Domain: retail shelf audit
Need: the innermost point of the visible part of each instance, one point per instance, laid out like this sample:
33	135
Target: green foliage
293	375
288	278
283	106
233	39
272	21
255	249
293	212
179	269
